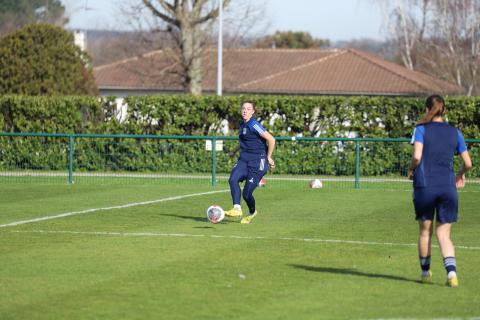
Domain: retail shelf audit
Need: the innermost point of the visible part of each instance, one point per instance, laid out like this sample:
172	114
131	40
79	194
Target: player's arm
467	162
416	158
271	146
417	142
467	165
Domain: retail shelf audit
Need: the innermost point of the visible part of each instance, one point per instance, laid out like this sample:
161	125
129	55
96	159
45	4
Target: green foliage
42	59
52	114
17	13
191	115
291	40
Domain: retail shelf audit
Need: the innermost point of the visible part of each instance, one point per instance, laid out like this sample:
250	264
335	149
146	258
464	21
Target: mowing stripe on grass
128	205
189	235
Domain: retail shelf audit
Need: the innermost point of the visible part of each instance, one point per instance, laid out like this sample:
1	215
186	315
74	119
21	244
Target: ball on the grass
315	184
215	214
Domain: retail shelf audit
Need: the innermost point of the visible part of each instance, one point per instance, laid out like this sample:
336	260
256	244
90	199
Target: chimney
80	39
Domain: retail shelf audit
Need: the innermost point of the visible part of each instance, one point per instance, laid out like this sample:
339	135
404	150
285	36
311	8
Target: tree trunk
192	51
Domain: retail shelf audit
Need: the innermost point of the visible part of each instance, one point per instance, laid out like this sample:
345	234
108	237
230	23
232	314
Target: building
273	71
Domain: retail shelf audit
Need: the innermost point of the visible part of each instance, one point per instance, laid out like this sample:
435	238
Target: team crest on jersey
244	131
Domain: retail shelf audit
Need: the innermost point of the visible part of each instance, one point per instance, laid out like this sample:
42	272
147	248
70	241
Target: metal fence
96	158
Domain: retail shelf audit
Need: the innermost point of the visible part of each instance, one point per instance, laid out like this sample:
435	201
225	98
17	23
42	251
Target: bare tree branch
190	24
445	42
160	14
212	14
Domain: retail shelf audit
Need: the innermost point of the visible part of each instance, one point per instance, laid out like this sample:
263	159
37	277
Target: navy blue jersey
252	145
440	143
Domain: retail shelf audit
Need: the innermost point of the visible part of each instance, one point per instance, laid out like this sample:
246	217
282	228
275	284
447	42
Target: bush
41	59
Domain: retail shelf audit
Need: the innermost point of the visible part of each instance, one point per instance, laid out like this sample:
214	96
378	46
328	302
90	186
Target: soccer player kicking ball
435	143
256	148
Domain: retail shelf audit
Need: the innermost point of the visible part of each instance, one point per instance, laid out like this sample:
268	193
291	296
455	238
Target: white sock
237	206
451	274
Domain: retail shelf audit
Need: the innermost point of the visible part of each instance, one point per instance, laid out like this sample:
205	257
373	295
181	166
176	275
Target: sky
332	19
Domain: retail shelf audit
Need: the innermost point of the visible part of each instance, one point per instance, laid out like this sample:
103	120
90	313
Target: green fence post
357	163
70	158
214	161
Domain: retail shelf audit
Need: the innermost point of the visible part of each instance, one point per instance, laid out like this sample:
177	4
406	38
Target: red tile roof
277	71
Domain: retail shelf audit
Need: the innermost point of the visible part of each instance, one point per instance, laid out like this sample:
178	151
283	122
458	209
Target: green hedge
188	115
309	116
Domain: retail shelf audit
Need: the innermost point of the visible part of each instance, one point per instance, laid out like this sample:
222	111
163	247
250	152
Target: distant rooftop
276	71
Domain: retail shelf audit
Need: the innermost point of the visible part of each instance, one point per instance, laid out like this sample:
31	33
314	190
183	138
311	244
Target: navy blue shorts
439	201
252	170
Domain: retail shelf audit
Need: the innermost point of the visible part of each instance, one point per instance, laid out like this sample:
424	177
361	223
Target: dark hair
251	102
436	108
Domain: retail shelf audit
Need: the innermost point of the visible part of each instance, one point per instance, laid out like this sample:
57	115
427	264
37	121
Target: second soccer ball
316	184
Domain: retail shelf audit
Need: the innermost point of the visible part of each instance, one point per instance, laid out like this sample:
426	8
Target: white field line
202	177
128	205
188	235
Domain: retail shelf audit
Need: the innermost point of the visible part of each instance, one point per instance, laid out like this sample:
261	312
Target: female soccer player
435	143
252	164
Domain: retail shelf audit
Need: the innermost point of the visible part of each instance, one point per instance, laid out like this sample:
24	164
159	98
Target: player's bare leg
424	248
448	252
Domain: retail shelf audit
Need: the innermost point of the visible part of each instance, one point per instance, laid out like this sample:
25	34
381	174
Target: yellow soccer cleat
233	213
427	278
452	282
249	218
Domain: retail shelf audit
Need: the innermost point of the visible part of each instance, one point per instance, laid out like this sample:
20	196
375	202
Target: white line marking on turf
128	205
187	235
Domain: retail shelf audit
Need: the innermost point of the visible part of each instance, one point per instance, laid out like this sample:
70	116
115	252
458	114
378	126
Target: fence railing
75	157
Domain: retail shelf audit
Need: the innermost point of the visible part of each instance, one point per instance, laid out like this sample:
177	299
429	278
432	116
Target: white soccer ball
316	184
215	214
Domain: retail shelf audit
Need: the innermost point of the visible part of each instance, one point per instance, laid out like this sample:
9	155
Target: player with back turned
435	184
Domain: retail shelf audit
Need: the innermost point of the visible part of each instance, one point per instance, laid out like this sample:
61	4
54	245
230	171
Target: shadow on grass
195	218
352	272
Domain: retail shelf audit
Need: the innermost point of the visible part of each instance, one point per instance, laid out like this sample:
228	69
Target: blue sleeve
461	146
255	126
418	134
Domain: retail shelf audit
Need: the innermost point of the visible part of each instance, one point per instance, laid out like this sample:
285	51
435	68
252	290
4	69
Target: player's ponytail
435	108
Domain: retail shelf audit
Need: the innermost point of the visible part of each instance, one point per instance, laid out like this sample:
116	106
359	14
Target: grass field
310	254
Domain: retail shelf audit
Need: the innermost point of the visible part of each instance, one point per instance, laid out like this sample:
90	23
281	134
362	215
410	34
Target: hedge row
188	115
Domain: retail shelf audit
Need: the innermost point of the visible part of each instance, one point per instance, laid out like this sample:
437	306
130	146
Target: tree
406	21
453	50
16	13
440	37
188	22
291	39
42	59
